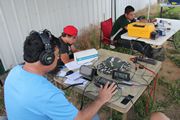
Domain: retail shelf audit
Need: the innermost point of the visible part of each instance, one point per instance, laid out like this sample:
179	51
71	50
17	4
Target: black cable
76	84
141	85
83	94
84	91
133	75
82	98
121	83
133	105
144	79
142	75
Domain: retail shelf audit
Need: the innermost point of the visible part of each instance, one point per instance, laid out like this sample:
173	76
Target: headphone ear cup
46	58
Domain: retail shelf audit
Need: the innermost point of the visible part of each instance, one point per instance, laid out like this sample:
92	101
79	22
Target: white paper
74	81
74	75
73	65
61	73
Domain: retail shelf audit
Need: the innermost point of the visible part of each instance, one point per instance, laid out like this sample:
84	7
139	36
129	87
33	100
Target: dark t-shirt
118	27
64	47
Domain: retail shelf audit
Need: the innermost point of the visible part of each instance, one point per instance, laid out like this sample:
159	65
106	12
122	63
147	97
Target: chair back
106	28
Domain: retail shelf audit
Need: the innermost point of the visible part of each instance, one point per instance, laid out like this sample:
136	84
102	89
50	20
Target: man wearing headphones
67	40
30	96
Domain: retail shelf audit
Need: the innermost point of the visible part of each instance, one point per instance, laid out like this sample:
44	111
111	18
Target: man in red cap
67	40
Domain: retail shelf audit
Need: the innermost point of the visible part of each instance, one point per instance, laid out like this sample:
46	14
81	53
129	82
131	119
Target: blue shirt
30	96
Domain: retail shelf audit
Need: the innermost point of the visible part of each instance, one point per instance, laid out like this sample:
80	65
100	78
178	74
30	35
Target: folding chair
106	28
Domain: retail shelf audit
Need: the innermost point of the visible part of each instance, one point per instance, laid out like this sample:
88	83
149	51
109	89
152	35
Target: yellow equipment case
139	29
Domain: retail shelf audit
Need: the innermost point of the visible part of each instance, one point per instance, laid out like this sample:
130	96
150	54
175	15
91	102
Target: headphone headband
45	36
47	56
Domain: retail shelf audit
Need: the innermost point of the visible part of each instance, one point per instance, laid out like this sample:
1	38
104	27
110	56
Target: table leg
161	12
173	40
124	117
131	44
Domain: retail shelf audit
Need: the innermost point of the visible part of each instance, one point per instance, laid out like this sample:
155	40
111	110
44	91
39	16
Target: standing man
30	96
120	27
67	40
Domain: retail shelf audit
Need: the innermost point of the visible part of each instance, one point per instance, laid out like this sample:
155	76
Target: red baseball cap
70	30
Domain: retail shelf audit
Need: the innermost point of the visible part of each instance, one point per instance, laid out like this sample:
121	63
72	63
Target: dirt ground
169	71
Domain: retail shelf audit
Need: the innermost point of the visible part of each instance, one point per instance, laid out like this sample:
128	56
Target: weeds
172	97
89	38
174	92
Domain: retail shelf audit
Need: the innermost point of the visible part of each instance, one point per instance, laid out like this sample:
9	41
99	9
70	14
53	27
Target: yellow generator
139	29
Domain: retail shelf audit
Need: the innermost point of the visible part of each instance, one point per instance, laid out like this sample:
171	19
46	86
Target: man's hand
106	93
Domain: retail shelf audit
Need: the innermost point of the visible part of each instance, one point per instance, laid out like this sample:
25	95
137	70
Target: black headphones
46	57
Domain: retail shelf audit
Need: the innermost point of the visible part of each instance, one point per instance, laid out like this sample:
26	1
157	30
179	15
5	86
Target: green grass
140	109
174	92
172	10
174	55
172	13
172	97
116	115
118	49
175	58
